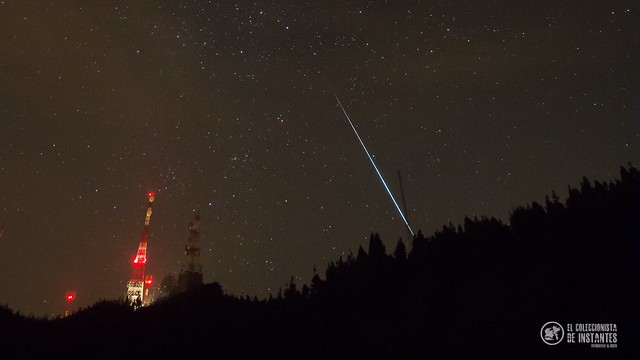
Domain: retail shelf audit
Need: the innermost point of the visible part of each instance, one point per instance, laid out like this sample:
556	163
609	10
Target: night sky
227	108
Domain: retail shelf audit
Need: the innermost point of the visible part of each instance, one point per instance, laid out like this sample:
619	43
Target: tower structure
138	286
191	276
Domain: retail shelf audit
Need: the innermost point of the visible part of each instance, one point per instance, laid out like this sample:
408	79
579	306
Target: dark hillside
482	289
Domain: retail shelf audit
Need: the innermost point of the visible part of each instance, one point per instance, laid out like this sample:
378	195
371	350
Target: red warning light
71	295
151	194
148	281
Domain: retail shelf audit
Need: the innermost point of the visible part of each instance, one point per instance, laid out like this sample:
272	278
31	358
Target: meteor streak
374	166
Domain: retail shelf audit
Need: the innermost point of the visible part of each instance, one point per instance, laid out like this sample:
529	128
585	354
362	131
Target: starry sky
227	108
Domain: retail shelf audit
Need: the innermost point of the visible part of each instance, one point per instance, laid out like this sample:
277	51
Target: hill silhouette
481	289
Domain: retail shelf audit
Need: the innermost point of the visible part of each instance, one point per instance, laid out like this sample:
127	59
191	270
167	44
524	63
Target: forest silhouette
481	289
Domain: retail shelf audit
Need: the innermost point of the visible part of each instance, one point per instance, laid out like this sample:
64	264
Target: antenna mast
138	284
404	206
191	277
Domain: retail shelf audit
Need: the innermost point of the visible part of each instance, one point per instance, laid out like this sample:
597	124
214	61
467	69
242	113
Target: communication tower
138	286
191	277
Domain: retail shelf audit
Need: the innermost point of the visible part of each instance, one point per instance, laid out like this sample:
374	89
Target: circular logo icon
552	333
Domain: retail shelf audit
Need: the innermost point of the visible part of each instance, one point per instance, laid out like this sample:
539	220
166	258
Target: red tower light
71	295
148	281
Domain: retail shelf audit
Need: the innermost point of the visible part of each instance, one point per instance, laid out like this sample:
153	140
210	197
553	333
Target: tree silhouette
400	253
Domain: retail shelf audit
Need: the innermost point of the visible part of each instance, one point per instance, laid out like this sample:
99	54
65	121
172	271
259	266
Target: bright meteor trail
374	166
